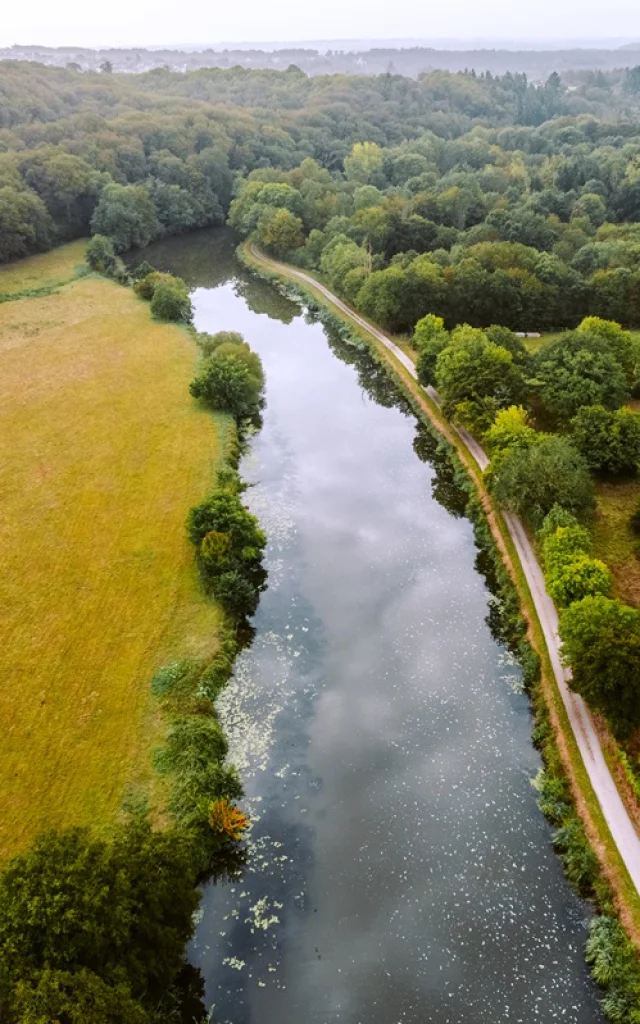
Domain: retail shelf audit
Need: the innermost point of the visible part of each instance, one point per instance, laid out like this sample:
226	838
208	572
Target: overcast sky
154	22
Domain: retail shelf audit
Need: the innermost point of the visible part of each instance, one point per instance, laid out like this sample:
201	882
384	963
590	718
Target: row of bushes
611	955
230	548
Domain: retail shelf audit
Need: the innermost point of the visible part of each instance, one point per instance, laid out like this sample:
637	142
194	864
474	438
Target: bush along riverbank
94	925
611	955
229	546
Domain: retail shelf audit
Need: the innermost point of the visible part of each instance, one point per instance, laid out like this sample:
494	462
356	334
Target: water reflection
206	260
398	868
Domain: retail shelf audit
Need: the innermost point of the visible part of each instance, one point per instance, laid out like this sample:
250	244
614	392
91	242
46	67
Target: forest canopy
476	198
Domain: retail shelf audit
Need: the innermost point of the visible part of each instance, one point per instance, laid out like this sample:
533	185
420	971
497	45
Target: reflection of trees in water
372	376
207	259
262	297
446	487
204	259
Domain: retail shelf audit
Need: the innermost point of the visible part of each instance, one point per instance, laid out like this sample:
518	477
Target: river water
399	870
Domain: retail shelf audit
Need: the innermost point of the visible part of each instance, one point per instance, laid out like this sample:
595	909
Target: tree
223	512
100	254
227	385
429	338
601	643
67	185
76	997
530	481
25	224
577	370
118	911
279	231
231	380
609	441
209	343
364	163
126	214
578	578
237	595
507	339
472	369
616	340
510	429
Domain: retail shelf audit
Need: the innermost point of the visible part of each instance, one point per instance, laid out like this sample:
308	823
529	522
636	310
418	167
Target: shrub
192	745
579	860
214	551
559	516
171	302
227	820
145	286
634	521
142	270
229	384
614	964
100	254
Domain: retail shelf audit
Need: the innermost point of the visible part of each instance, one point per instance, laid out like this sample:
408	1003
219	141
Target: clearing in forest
102	453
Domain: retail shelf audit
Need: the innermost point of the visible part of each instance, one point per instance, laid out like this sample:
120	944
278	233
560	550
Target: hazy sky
153	22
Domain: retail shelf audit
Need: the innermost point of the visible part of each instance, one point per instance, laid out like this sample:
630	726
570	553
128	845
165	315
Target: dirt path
613	809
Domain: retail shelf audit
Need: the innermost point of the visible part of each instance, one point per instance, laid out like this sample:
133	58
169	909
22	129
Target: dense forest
477	198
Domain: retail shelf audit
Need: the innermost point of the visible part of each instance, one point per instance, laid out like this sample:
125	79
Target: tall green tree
601	643
126	214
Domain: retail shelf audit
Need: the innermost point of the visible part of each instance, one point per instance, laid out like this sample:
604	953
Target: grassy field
42	272
102	452
614	541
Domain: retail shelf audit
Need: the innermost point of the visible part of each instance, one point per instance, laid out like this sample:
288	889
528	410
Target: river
399	870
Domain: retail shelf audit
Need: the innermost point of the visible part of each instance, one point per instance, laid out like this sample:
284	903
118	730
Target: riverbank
585	798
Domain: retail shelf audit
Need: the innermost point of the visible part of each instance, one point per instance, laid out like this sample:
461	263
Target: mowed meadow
102	453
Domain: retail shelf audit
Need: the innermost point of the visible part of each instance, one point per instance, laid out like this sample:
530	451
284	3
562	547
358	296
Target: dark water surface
399	869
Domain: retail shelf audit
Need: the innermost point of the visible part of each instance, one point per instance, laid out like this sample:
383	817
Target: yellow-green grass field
614	541
45	271
102	453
